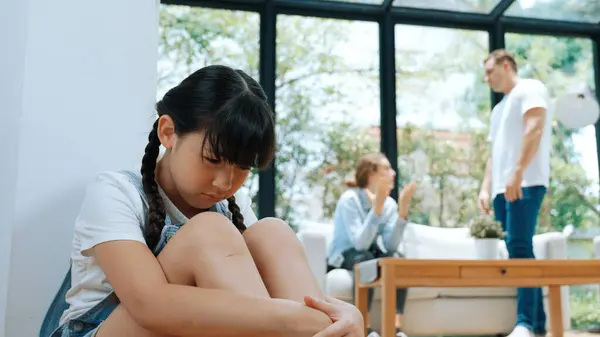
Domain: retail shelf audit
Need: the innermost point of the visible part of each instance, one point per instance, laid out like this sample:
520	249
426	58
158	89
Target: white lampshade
578	108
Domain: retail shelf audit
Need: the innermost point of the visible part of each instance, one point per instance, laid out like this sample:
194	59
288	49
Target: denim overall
87	324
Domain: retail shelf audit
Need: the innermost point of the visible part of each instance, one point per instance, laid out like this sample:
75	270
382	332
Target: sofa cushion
428	242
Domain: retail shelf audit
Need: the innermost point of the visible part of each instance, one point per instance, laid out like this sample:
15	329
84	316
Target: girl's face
199	179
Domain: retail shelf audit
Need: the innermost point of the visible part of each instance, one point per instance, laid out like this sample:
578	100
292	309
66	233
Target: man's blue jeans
519	220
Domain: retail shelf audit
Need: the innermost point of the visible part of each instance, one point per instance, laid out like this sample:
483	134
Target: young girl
177	250
366	212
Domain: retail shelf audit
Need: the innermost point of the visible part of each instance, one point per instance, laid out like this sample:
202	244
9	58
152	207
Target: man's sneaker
399	333
521	331
373	334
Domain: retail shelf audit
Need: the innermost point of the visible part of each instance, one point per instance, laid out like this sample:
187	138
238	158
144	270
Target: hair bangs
242	132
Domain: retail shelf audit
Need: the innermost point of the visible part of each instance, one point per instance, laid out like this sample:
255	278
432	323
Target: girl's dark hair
232	110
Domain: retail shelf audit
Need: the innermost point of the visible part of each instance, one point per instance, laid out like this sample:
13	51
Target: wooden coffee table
393	273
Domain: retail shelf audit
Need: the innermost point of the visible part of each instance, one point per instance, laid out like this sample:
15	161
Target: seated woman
366	212
176	250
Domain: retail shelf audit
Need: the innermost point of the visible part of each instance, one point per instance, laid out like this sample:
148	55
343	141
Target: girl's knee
209	231
271	225
202	243
271	231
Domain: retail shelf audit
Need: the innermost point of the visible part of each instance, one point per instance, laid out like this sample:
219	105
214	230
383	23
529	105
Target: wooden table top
507	262
487	273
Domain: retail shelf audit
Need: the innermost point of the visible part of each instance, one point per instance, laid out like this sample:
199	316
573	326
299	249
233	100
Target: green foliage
343	145
317	152
561	63
485	227
585	309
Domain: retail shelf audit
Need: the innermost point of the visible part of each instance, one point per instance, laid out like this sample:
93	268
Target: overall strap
59	304
136	180
57	307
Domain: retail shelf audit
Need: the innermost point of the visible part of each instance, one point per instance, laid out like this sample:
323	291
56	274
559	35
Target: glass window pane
193	37
568	10
327	103
443	116
562	64
475	6
371	2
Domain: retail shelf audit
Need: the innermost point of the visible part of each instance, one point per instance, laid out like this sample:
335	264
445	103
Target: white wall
80	92
12	61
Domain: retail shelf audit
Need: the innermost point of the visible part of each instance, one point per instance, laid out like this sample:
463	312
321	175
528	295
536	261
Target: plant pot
486	249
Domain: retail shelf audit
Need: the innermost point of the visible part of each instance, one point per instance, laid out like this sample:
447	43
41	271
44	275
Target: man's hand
347	320
513	187
483	202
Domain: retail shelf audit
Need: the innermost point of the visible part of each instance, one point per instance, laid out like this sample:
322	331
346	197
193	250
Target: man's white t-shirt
506	134
113	210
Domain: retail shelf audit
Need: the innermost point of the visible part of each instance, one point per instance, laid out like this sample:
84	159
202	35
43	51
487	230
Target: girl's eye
245	168
212	160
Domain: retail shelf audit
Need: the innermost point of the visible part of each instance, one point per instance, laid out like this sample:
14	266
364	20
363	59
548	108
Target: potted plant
487	233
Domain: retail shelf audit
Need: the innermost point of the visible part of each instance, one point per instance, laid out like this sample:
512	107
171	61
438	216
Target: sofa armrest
315	248
597	247
552	245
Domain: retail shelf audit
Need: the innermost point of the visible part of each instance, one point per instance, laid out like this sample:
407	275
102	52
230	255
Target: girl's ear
166	131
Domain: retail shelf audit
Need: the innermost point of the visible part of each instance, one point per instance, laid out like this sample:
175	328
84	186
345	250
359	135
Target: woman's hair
367	164
232	110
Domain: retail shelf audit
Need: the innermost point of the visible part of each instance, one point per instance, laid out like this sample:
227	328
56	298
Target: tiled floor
566	334
579	334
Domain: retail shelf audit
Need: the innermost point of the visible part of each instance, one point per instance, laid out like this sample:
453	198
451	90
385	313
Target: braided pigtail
236	216
231	110
156	207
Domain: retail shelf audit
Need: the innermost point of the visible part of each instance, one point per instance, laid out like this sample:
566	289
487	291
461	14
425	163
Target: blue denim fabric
519	220
87	324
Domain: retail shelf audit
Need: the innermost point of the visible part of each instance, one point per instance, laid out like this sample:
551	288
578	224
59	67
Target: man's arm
483	201
486	184
533	120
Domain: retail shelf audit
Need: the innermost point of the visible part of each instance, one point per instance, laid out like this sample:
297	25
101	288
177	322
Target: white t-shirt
112	210
506	134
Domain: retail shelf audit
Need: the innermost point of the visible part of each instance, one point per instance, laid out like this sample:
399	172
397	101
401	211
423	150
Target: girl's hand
347	320
405	198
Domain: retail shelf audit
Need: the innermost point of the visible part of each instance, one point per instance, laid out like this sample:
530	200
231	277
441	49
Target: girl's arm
108	228
177	310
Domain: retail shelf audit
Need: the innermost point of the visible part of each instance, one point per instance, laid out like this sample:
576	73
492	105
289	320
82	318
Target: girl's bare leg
281	260
207	252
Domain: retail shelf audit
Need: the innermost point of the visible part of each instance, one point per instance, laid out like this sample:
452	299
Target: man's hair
501	55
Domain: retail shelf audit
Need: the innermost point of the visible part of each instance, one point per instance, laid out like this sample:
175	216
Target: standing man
517	173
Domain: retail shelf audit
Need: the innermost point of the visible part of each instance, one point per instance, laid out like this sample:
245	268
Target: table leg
555	304
361	296
388	304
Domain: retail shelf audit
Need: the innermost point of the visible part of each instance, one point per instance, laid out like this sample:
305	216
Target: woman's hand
377	198
347	320
404	200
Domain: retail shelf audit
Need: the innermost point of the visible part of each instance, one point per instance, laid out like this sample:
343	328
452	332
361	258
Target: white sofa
437	311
